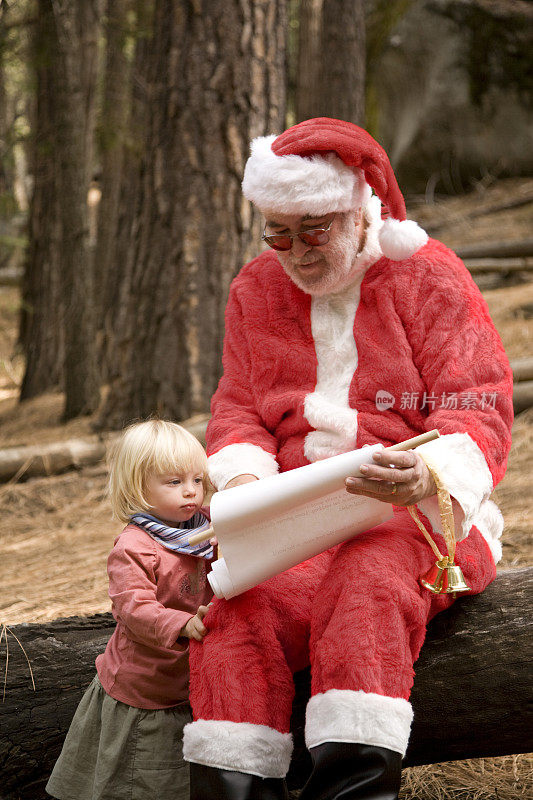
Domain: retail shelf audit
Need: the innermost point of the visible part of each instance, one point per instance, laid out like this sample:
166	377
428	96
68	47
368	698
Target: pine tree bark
308	83
75	26
41	325
331	60
111	139
343	60
116	280
215	79
57	328
6	178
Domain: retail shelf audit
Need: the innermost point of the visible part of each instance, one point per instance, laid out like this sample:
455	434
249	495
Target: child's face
175	496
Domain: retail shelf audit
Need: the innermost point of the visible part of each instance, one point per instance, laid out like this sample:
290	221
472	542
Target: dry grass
54	547
506	778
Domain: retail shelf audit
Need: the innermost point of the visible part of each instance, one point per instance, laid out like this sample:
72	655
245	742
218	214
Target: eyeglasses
315	237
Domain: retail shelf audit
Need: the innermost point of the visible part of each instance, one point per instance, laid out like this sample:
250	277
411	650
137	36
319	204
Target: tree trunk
470	696
216	78
76	24
41	325
6	167
331	60
111	138
117	279
57	329
309	60
342	69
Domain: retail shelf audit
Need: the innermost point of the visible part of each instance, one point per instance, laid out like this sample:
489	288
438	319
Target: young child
125	740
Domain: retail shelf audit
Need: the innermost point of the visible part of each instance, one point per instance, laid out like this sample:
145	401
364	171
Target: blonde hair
150	448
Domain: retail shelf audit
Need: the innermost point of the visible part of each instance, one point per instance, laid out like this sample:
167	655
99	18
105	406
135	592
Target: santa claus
352	328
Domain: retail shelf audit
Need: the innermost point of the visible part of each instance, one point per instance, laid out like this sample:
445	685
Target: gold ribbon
446	516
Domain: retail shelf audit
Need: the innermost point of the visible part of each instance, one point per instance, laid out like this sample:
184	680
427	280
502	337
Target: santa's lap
356	613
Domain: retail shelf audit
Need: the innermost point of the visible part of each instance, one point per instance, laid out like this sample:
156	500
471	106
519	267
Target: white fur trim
293	184
327	408
240	459
489	522
463	469
342	715
238	746
399	240
371	251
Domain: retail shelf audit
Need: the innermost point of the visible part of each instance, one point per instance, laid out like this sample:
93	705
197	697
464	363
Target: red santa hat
324	165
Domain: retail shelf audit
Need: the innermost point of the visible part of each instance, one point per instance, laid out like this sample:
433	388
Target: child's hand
195	628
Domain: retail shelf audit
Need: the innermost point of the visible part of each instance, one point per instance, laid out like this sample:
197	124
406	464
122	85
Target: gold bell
444	578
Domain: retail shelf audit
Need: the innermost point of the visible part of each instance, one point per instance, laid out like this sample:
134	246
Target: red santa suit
405	347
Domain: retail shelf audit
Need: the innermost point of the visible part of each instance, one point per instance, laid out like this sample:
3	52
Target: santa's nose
299	248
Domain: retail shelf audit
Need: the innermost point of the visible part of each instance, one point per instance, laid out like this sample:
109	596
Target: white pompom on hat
324	165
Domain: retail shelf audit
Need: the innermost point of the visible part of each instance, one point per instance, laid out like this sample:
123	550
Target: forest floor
57	531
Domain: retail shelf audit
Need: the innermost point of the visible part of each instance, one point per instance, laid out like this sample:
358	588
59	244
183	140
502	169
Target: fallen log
49	459
10	277
504	265
52	459
522	369
522	396
515	248
470	696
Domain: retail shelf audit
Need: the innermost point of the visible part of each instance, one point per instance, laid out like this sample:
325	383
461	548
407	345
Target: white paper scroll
267	526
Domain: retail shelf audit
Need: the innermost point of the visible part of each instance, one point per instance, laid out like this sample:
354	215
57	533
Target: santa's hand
239	480
405	483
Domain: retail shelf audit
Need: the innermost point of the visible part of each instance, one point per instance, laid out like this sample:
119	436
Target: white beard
341	266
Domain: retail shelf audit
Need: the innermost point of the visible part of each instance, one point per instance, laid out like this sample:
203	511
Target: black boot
211	783
345	771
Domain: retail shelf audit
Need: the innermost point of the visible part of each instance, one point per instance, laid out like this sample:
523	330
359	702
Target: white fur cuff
240	459
462	467
238	746
342	715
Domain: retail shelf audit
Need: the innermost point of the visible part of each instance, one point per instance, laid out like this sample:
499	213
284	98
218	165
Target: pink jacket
154	593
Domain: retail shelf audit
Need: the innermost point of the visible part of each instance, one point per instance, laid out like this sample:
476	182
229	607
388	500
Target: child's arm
133	592
195	628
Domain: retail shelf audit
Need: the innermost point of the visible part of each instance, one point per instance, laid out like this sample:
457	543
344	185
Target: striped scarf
177	539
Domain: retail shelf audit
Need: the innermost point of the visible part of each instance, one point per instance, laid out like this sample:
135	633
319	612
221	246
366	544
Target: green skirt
116	752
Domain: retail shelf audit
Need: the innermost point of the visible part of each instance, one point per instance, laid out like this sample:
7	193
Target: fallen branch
10	277
510	249
522	396
522	369
49	459
499	264
470	696
493	208
52	459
